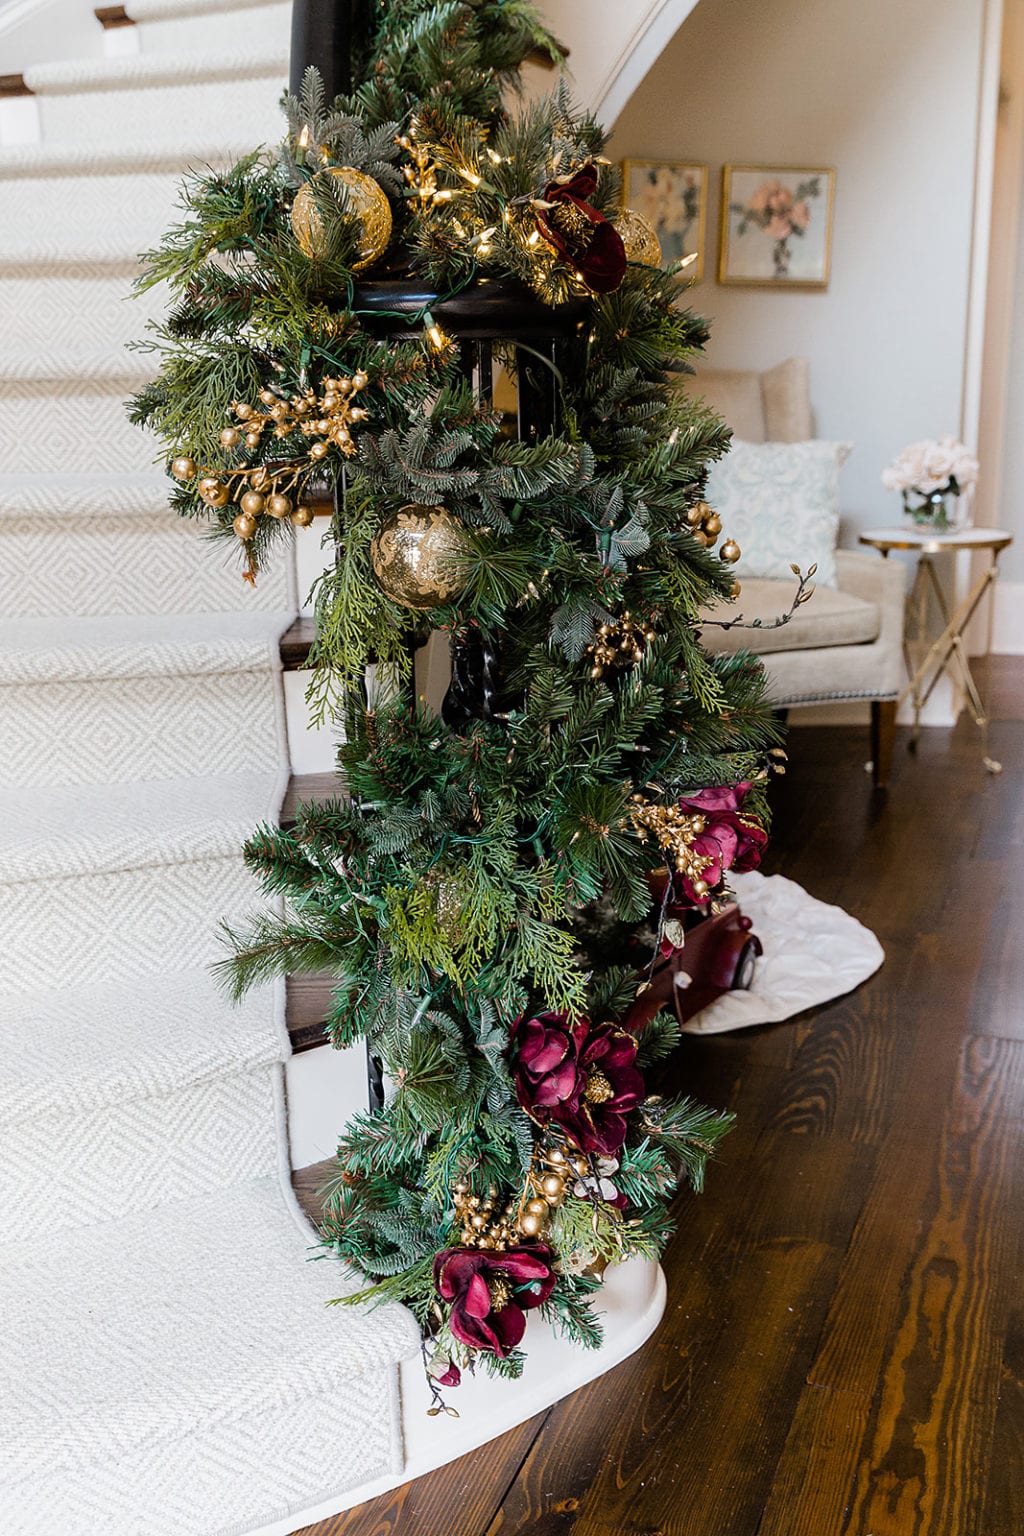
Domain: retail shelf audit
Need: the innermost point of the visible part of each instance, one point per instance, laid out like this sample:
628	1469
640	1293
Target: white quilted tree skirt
813	953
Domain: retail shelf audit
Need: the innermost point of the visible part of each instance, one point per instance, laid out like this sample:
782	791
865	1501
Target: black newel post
331	35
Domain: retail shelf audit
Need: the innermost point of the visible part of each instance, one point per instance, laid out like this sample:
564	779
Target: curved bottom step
631	1302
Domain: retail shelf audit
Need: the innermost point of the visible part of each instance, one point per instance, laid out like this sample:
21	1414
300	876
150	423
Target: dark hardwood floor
843	1348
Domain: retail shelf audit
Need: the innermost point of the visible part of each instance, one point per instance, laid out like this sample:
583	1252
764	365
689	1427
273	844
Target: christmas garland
492	890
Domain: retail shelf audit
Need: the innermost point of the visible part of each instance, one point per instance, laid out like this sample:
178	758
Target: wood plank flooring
843	1348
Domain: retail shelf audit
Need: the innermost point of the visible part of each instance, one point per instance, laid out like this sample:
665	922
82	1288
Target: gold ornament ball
244	526
253	503
730	551
537	1208
553	1186
230	437
278	505
183	468
317	450
303	515
415	556
734	591
365	200
713	524
638	237
529	1225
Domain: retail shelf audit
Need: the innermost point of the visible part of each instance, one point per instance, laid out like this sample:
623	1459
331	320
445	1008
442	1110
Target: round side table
947	653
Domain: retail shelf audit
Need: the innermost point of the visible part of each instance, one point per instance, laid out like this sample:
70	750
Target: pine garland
470	887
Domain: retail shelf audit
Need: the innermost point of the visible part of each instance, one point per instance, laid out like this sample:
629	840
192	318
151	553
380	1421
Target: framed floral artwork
776	225
672	196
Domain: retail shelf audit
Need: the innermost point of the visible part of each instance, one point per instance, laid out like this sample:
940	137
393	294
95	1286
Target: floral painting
776	226
671	195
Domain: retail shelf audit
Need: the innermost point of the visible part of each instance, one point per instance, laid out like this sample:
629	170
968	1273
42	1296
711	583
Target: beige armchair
846	643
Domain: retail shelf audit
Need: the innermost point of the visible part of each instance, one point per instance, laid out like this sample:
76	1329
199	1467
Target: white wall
888	94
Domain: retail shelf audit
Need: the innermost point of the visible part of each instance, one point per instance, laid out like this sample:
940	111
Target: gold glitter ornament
366	202
415	556
638	237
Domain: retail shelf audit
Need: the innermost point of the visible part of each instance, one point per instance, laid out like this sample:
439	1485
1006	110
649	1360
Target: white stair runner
169	1366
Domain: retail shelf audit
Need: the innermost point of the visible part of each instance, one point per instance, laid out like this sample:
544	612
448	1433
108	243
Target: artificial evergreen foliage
468	880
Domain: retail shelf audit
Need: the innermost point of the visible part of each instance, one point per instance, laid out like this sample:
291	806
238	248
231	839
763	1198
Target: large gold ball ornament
415	556
365	200
183	468
530	1225
730	551
638	237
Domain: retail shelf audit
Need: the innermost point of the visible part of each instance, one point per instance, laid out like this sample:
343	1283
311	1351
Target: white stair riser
71	431
75	933
264	26
136	1154
124	565
123	728
108	216
137	116
85	325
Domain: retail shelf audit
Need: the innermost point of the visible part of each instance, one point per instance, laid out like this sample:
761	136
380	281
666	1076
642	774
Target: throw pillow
780	502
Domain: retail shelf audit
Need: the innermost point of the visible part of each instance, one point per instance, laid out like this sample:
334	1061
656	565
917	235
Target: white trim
642	49
981	233
1008	619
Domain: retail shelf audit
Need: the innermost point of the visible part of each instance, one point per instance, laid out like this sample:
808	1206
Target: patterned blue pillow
780	502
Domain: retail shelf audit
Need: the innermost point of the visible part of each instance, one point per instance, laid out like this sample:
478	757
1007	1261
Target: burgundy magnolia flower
581	1077
729	840
489	1292
580	233
449	1377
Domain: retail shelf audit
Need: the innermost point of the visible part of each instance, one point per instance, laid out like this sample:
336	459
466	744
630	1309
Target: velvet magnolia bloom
729	840
488	1293
580	233
579	1076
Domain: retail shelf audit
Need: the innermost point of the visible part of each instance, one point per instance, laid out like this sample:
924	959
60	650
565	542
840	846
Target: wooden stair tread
296	643
110	16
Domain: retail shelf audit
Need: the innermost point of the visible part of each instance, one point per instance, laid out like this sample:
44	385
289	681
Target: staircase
169	1366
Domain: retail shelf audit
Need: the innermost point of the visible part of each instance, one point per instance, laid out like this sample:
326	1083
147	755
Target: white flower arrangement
933	466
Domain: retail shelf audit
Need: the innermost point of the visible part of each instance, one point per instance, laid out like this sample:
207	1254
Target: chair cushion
780	501
829	618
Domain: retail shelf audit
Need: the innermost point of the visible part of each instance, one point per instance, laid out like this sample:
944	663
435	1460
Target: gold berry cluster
620	643
486	1224
326	418
674	830
271	489
705	525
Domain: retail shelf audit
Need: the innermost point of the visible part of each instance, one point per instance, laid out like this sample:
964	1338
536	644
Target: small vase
931	511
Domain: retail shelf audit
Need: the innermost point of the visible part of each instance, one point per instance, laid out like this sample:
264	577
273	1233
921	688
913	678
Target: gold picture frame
672	195
775	228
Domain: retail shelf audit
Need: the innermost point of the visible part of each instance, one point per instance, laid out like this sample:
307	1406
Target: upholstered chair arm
876	581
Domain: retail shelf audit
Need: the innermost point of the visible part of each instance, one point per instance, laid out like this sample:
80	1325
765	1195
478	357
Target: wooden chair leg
883	736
